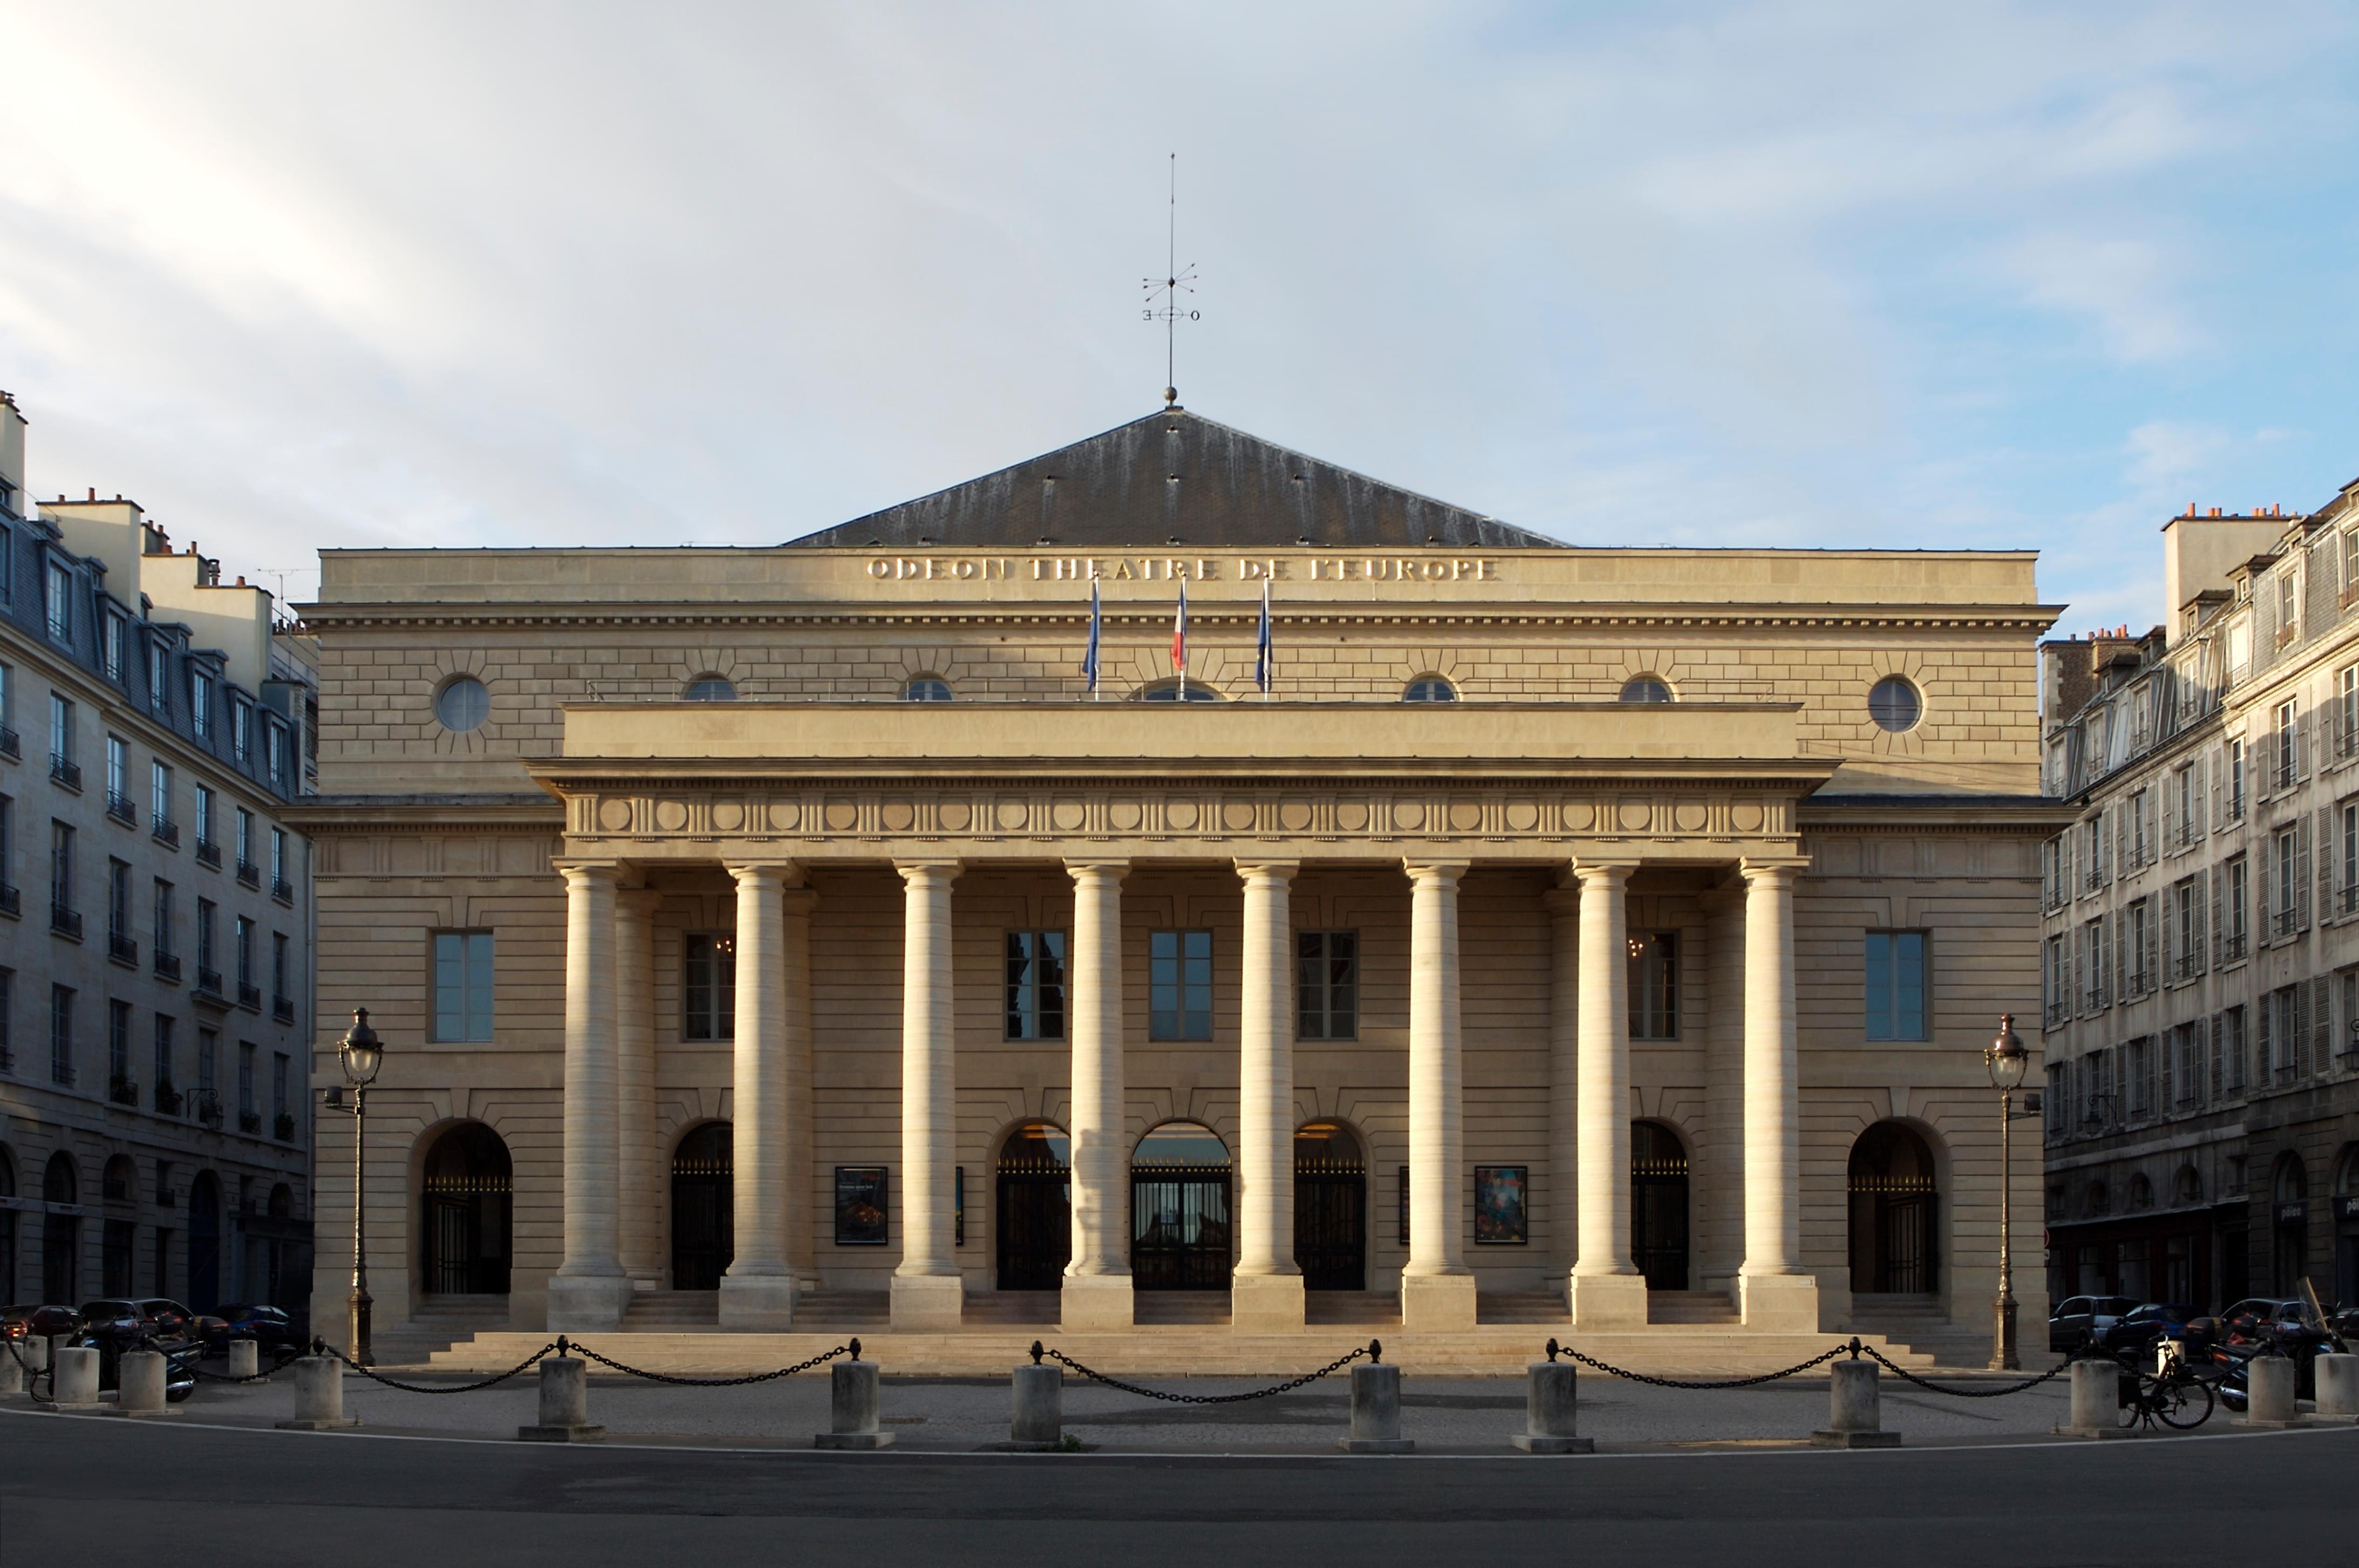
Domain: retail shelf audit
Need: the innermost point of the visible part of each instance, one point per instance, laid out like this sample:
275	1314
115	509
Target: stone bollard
564	1403
1855	1407
853	1406
1375	1410
2268	1388
2096	1400
13	1373
74	1383
244	1358
139	1385
319	1396
2338	1388
1037	1421
1550	1395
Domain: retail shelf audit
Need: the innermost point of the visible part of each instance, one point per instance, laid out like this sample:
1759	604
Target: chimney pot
94	492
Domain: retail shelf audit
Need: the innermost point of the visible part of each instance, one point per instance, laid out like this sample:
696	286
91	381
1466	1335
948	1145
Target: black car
32	1321
2080	1321
268	1327
2136	1331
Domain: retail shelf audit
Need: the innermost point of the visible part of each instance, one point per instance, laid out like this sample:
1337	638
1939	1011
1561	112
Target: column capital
778	873
915	872
1268	870
1104	870
1772	870
578	873
1606	875
1446	872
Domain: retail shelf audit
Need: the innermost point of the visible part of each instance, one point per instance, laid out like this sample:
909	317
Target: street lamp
363	1055
2007	1060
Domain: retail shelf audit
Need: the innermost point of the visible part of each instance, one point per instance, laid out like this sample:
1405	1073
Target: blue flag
1265	666
1090	658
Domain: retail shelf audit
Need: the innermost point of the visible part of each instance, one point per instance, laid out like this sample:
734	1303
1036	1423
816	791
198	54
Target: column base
1607	1300
1780	1303
587	1303
1265	1303
1094	1301
761	1302
927	1303
1438	1302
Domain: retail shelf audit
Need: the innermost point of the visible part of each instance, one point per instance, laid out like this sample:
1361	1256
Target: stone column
1607	1290
588	1290
758	1292
1266	1291
1097	1281
795	905
1773	1290
927	1293
1716	1177
635	1075
1563	904
1437	1288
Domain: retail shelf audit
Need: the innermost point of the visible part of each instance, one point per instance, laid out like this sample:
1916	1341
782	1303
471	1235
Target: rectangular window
206	958
1327	984
2092	850
2347	896
2056	975
2232	1049
201	704
710	987
2092	963
278	859
1653	982
1036	984
245	841
118	1044
118	771
2288	745
62	1033
164	1064
279	994
2236	921
274	753
118	899
2346	715
57	601
462	985
61	859
208	1061
2285	883
2141	848
2058	1090
1897	989
2141	1086
2183	806
111	646
7	1028
2237	779
159	664
1179	985
244	1078
279	1062
159	793
2186	930
204	823
241	729
61	733
244	952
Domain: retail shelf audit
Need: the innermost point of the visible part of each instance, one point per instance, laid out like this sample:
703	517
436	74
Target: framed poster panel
1404	1205
1500	1215
860	1205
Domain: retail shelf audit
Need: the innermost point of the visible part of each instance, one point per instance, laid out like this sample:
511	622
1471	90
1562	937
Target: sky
1809	274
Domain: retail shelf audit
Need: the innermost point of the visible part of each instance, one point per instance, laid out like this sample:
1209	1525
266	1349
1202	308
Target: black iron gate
1900	1227
1658	1207
1178	1227
704	1208
1330	1229
1036	1222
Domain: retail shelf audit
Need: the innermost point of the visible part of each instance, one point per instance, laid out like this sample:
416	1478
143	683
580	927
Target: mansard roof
1175	478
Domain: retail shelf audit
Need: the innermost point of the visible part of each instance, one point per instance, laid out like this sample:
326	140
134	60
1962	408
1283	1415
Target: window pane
1909	985
1879	985
450	980
479	986
1049	983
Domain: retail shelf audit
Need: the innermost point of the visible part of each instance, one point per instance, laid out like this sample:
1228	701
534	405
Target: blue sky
1806	274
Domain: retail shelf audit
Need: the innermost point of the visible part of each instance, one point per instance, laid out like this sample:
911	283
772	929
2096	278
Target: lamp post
2007	1060
362	1055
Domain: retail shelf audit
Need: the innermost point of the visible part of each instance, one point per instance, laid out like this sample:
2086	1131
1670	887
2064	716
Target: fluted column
1265	1291
1775	1292
1097	1288
588	1290
1608	1292
926	1290
1563	906
758	1292
795	906
1437	1288
635	1118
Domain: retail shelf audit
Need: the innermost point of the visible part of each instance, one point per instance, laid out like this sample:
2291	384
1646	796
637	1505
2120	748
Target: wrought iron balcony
167	964
167	1099
207	854
9	745
12	903
65	922
283	1008
2094	999
248	874
65	774
122	949
208	982
249	997
122	1091
209	1110
2058	1013
120	807
166	832
61	1073
250	1123
282	1127
283	890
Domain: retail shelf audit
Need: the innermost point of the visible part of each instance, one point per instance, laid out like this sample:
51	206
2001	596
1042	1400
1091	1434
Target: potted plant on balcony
282	1126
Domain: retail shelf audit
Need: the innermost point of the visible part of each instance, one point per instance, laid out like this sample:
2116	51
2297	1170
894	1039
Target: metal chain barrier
321	1347
282	1358
1555	1350
33	1374
578	1348
2056	1371
1372	1350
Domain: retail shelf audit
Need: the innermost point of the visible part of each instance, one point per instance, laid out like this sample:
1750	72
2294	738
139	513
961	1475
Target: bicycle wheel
2185	1402
2133	1408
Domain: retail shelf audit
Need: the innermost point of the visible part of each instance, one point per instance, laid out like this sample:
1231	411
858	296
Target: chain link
583	1350
33	1374
1999	1392
1369	1350
276	1366
319	1348
1555	1350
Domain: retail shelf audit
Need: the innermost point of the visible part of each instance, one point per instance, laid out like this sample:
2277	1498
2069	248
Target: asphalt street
93	1490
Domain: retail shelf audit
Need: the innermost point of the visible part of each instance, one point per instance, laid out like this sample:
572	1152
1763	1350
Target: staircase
1917	1323
1691	1307
672	1311
436	1323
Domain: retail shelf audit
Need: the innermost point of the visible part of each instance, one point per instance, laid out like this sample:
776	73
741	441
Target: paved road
77	1491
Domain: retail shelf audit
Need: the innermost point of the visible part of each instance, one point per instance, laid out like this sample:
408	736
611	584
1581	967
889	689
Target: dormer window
241	730
111	644
159	666
201	704
58	600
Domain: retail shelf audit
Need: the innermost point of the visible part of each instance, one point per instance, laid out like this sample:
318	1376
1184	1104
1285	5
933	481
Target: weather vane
1163	293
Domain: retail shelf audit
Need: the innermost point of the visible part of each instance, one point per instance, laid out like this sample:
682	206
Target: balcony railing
282	1127
249	997
2186	966
65	922
208	982
2282	921
2093	998
120	807
283	1008
64	774
208	1111
167	964
12	903
248	874
283	890
165	831
2346	899
250	1123
2058	1013
2232	948
2093	880
61	1073
122	949
122	1091
207	854
167	1099
9	745
2141	982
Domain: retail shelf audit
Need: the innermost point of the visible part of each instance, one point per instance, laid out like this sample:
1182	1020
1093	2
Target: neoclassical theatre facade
768	936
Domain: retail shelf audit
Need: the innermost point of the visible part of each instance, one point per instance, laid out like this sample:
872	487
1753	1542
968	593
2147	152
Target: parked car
2082	1320
166	1318
2261	1318
268	1327
34	1322
2136	1331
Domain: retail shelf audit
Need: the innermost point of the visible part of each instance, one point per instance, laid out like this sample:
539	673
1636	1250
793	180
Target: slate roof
1175	478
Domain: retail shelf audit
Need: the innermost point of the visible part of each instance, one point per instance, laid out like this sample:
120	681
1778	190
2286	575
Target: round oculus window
1895	706
462	704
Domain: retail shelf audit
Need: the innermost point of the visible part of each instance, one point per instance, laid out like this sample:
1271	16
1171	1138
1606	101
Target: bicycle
2177	1396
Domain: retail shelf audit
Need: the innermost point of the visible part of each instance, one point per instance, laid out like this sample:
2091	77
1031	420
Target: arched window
60	1233
2189	1187
1895	706
468	1211
926	689
1180	1209
1330	1206
282	1201
116	1180
1034	1207
1894	1213
1658	1205
1430	689
2141	1192
59	1183
2291	1183
1168	691
462	704
703	1207
710	689
1646	689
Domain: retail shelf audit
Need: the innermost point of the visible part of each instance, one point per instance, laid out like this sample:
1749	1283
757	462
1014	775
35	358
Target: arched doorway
1658	1205
1894	1214
204	1242
2289	1223
703	1207
1180	1210
1034	1207
60	1233
1331	1208
466	1191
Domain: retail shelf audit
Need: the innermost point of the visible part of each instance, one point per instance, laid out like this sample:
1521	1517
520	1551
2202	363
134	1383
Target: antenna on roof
1163	293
